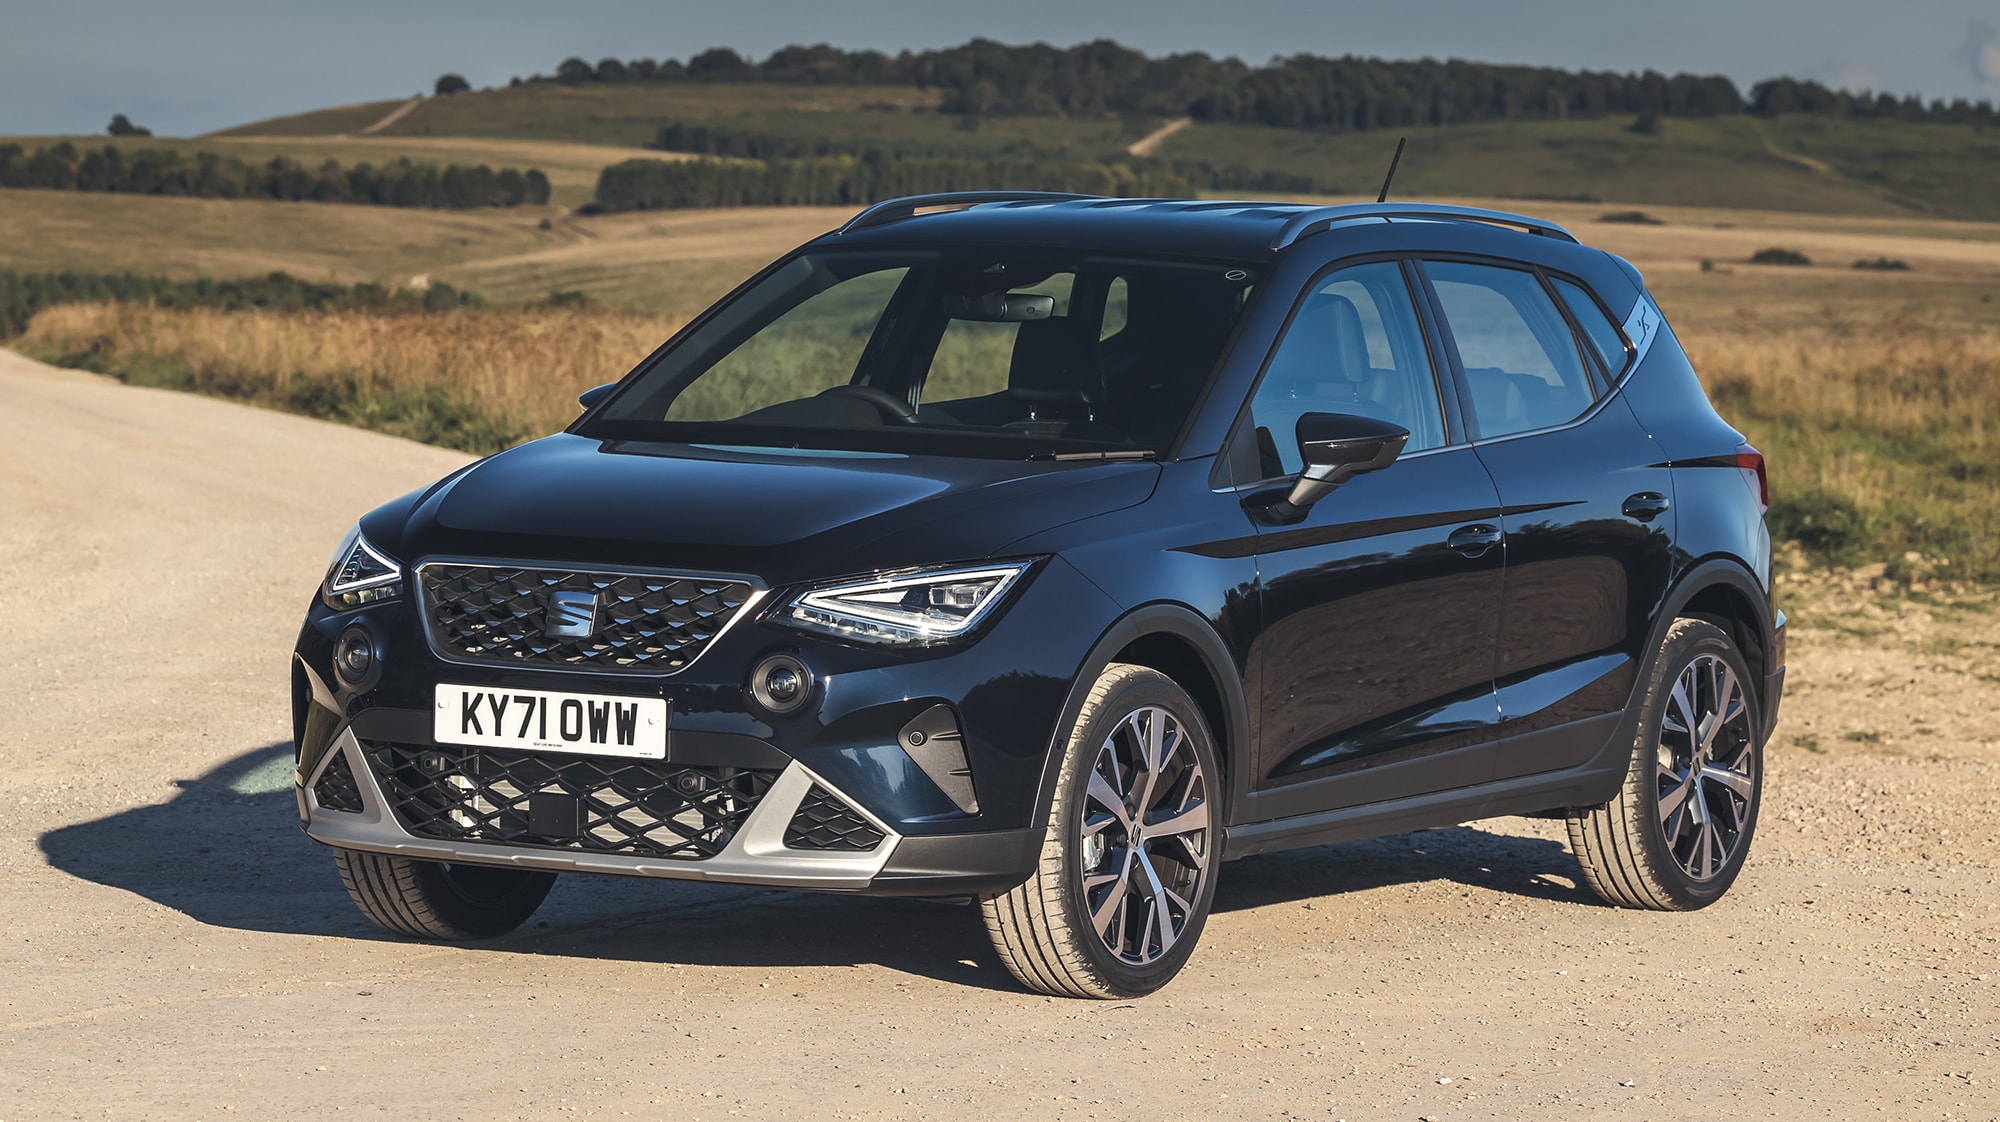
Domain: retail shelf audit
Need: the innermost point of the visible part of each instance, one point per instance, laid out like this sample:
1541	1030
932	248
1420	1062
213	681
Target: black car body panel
1456	635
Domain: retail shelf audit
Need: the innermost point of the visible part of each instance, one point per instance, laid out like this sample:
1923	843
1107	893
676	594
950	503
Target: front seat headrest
1054	362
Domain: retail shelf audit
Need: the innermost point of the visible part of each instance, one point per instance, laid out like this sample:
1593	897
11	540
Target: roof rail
885	212
1320	218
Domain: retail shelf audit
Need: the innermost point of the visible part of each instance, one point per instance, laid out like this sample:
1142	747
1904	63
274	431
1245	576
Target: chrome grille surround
488	613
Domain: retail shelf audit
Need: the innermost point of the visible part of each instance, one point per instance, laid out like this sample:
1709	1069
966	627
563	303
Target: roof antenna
1393	161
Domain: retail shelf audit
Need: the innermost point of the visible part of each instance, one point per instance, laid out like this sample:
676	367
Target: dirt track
170	946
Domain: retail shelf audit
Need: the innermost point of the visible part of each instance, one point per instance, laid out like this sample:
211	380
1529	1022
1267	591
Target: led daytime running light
361	574
922	607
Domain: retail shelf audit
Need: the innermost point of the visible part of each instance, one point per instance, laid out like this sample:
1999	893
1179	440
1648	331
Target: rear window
1520	358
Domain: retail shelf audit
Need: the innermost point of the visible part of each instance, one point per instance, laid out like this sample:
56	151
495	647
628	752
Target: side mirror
595	394
1336	447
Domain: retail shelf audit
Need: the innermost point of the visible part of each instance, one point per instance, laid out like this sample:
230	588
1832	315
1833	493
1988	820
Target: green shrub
1776	256
1821	521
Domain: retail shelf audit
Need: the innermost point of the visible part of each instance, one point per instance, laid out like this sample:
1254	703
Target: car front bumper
756	854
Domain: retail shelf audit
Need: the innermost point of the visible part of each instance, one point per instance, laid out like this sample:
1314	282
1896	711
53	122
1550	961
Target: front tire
1679	829
1126	875
434	900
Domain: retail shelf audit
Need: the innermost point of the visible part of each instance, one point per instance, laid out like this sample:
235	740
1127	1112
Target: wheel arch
1176	641
1723	591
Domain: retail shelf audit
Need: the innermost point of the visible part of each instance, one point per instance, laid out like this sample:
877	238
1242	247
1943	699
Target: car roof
1233	230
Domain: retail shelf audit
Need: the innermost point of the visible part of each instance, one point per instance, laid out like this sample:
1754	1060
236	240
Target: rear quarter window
1606	341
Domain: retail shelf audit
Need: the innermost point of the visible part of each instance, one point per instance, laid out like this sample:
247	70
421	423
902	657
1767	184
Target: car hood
783	515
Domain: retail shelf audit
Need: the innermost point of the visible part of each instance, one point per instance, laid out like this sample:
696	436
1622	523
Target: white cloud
1980	51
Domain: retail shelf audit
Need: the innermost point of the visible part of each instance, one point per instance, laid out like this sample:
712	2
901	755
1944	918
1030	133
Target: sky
191	66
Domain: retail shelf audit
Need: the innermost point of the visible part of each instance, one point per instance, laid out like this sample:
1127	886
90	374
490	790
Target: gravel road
171	946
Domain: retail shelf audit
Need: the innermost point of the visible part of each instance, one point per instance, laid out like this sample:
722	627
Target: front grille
639	808
336	789
824	822
642	624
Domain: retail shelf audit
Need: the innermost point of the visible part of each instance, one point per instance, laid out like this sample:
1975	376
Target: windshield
976	351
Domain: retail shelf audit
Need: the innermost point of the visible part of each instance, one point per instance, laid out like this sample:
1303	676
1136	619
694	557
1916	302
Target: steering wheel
895	410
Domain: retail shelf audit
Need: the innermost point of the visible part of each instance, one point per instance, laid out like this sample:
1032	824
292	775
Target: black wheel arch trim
1732	575
1174	621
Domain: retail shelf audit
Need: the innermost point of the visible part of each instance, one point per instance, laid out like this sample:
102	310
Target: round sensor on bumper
781	684
354	657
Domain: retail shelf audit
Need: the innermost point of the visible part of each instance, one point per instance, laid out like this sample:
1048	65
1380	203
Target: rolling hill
1795	162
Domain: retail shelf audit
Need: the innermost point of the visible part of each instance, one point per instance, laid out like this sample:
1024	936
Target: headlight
926	606
360	574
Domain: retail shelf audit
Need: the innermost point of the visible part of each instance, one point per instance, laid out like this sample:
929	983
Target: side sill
1588	784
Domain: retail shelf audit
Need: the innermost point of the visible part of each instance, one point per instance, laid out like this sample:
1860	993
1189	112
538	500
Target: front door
1375	661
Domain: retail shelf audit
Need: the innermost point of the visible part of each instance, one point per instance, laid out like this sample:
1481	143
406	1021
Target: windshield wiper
1113	454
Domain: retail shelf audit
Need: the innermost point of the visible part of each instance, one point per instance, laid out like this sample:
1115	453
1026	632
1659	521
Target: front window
1354	346
974	351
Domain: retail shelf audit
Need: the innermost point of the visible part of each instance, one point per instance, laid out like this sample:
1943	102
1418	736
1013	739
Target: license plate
586	724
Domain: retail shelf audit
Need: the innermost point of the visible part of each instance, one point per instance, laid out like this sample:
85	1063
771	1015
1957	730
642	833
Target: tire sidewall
1686	641
1135	689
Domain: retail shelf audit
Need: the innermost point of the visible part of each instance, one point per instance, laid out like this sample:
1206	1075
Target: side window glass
1354	346
1117	308
1597	327
1520	358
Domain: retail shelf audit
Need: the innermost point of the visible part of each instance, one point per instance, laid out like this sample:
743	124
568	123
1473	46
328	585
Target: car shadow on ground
226	851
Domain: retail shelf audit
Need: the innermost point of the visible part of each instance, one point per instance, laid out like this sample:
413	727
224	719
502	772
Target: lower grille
824	822
638	808
336	789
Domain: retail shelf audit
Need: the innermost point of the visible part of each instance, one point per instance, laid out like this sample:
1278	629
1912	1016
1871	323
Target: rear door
1586	504
1380	608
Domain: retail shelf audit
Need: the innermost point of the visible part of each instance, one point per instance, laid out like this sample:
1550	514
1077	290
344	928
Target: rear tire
1679	829
1127	869
433	900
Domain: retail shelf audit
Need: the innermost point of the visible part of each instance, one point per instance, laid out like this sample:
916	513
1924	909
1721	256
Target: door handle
1474	540
1646	506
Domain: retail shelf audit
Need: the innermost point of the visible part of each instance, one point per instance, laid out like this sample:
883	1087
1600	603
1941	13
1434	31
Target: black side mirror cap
1335	448
595	394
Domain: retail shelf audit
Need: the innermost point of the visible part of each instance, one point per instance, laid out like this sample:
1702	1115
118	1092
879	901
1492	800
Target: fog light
781	683
354	656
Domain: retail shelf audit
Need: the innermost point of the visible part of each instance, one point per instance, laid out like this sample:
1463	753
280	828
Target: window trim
1242	427
1458	368
1612	378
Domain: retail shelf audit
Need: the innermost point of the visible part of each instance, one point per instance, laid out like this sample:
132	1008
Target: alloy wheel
1707	761
1145	836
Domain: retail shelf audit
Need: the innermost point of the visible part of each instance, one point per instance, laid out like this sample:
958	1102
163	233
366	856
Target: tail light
1751	463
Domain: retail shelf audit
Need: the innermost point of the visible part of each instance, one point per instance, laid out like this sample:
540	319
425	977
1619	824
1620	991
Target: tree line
718	140
24	294
856	181
1301	91
209	175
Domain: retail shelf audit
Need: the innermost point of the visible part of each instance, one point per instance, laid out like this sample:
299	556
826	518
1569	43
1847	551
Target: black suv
1048	551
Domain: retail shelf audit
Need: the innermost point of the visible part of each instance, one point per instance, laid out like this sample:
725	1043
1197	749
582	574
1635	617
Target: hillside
1800	162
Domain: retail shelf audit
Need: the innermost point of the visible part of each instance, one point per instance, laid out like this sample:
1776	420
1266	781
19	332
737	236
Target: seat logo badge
571	615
